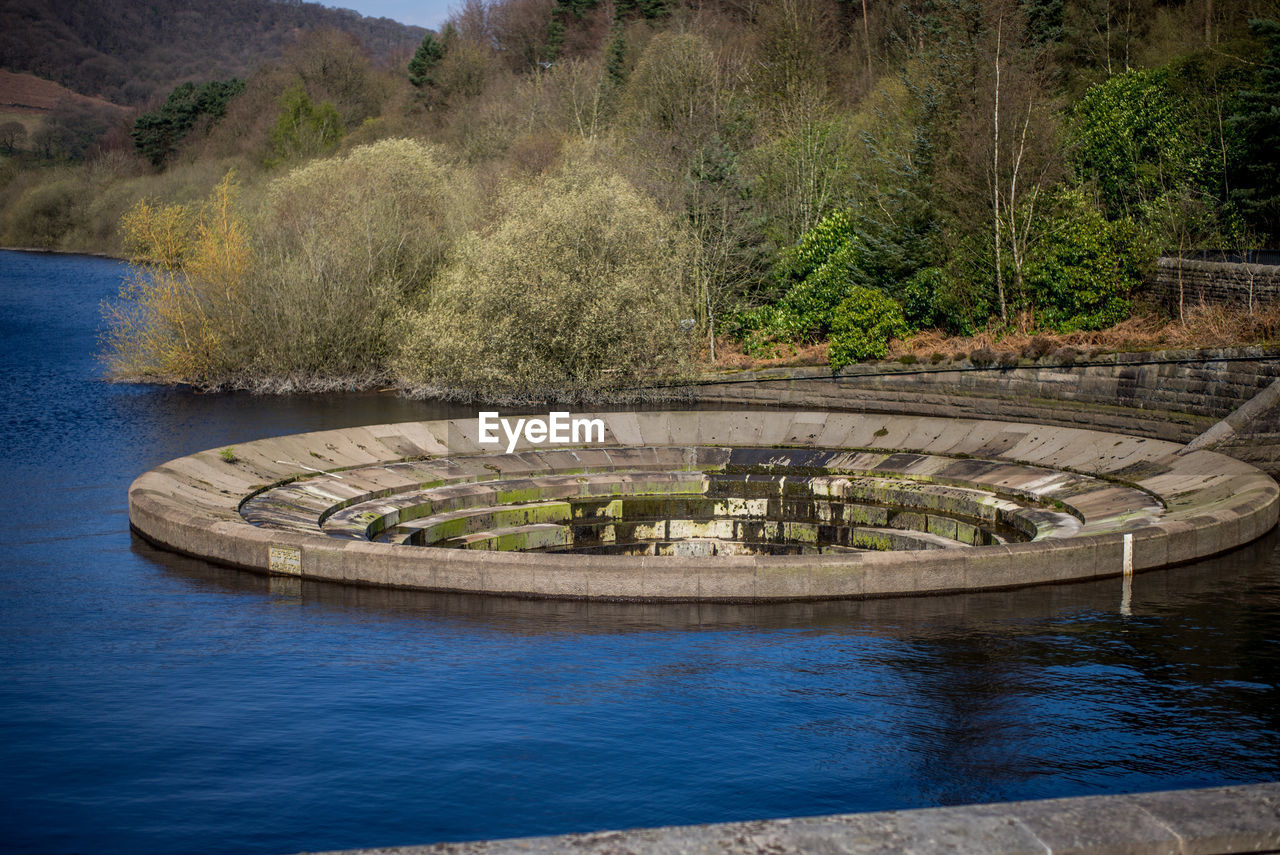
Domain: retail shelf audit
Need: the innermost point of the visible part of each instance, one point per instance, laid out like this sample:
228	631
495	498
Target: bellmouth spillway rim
1092	504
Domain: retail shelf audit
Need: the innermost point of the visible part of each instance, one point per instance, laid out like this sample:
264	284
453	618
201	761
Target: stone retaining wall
1174	395
1214	283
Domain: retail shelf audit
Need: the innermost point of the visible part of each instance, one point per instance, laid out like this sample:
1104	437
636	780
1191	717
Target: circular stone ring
710	505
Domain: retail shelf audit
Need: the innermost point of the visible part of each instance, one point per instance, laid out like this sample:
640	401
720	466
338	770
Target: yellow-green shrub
298	293
579	286
341	242
182	309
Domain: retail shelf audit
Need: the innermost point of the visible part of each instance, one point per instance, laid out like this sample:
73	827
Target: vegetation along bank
568	197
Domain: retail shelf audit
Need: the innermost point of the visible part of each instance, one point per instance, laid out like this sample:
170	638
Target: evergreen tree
156	134
1254	171
425	59
616	60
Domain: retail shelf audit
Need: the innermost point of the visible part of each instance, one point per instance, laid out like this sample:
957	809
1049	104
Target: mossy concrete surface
1139	502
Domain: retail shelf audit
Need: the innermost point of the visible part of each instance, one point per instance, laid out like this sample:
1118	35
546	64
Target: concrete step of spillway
979	501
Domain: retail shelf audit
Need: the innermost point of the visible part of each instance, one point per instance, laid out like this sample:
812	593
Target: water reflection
969	697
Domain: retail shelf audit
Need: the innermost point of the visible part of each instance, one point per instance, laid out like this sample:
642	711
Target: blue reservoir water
153	703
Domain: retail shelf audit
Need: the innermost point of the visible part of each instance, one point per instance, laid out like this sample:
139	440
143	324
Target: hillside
30	95
126	51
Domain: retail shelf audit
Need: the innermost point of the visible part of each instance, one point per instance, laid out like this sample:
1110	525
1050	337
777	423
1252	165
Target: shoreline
45	251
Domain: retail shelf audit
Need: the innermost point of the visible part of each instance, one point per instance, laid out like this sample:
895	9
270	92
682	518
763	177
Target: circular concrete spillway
730	506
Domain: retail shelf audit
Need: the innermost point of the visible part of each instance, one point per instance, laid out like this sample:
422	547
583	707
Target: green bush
1080	275
832	233
922	297
1135	139
342	242
862	326
811	301
304	128
817	273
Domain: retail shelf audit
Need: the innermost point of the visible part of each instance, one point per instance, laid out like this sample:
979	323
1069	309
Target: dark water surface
152	703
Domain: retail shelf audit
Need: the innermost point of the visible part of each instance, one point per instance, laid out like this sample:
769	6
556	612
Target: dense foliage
785	174
862	325
158	132
301	287
578	287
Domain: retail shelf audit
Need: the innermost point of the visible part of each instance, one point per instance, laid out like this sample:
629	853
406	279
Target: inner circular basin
712	513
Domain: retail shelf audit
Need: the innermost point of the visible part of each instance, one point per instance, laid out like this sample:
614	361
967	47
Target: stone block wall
1213	283
1170	395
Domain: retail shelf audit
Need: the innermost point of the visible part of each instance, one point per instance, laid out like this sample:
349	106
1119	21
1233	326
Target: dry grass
730	356
1204	326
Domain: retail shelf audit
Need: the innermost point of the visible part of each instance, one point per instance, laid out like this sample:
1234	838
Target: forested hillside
128	50
569	194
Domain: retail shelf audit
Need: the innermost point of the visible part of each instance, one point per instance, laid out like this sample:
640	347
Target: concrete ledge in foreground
1235	819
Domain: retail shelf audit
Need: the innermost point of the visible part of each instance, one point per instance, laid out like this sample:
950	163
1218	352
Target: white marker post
1126	584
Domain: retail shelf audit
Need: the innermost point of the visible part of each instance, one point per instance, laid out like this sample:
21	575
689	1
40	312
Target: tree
675	89
345	241
304	129
12	136
805	170
73	128
425	59
580	285
1105	35
1134	139
520	31
1023	155
1254	170
797	39
728	257
333	67
616	61
157	133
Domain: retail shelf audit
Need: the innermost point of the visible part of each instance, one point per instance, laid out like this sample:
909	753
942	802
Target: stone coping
1210	504
892	368
1235	819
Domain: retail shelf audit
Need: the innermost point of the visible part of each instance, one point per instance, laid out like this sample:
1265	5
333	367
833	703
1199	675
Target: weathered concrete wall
1174	395
1214	283
1218	820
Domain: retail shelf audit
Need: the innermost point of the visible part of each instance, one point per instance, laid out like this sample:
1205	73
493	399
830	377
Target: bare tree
1022	159
12	136
995	171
